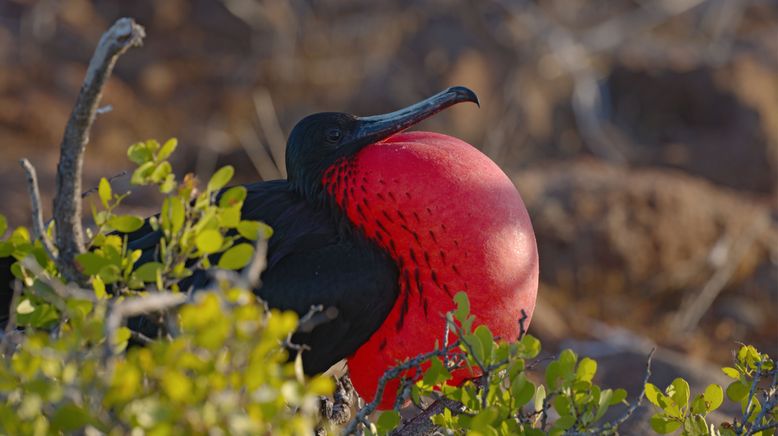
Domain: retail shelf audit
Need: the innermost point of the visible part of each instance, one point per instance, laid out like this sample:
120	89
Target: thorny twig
38	228
124	33
92	190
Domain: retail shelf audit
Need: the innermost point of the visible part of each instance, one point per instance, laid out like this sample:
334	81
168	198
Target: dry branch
38	228
124	33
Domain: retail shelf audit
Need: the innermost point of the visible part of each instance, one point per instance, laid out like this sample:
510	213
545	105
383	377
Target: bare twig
258	263
133	306
259	155
38	228
89	191
522	324
125	33
63	291
317	316
268	121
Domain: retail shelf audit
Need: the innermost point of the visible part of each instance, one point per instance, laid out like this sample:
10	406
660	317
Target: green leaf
522	390
3	224
653	394
698	405
714	396
148	271
80	308
141	174
552	374
731	372
436	373
122	338
237	257
229	217
125	223
91	263
161	172
564	422
104	191
737	391
619	395
540	396
587	368
167	149
463	306
233	196
99	287
70	417
110	273
663	424
562	405
487	342
220	178
176	385
251	229
209	241
531	346
476	347
388	421
679	392
139	153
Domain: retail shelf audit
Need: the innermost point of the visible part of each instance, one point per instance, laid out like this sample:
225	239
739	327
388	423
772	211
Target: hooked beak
379	127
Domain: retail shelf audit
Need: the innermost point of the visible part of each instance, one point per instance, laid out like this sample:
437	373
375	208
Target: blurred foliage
223	365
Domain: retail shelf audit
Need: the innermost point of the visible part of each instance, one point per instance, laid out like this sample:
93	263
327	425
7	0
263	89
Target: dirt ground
643	135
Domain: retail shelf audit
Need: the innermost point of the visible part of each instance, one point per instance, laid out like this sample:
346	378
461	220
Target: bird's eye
333	135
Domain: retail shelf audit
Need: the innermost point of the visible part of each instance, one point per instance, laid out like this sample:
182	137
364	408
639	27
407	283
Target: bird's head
320	140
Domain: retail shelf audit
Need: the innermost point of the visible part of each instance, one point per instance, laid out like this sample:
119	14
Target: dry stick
268	121
63	291
259	155
124	33
90	191
133	306
38	228
258	263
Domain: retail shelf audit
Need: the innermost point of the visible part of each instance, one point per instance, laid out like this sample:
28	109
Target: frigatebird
385	227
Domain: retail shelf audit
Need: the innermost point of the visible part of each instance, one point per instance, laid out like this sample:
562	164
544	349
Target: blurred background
643	134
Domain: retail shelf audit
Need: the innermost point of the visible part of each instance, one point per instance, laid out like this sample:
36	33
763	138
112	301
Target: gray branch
38	228
124	33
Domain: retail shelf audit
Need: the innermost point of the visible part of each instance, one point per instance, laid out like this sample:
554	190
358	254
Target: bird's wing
311	263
